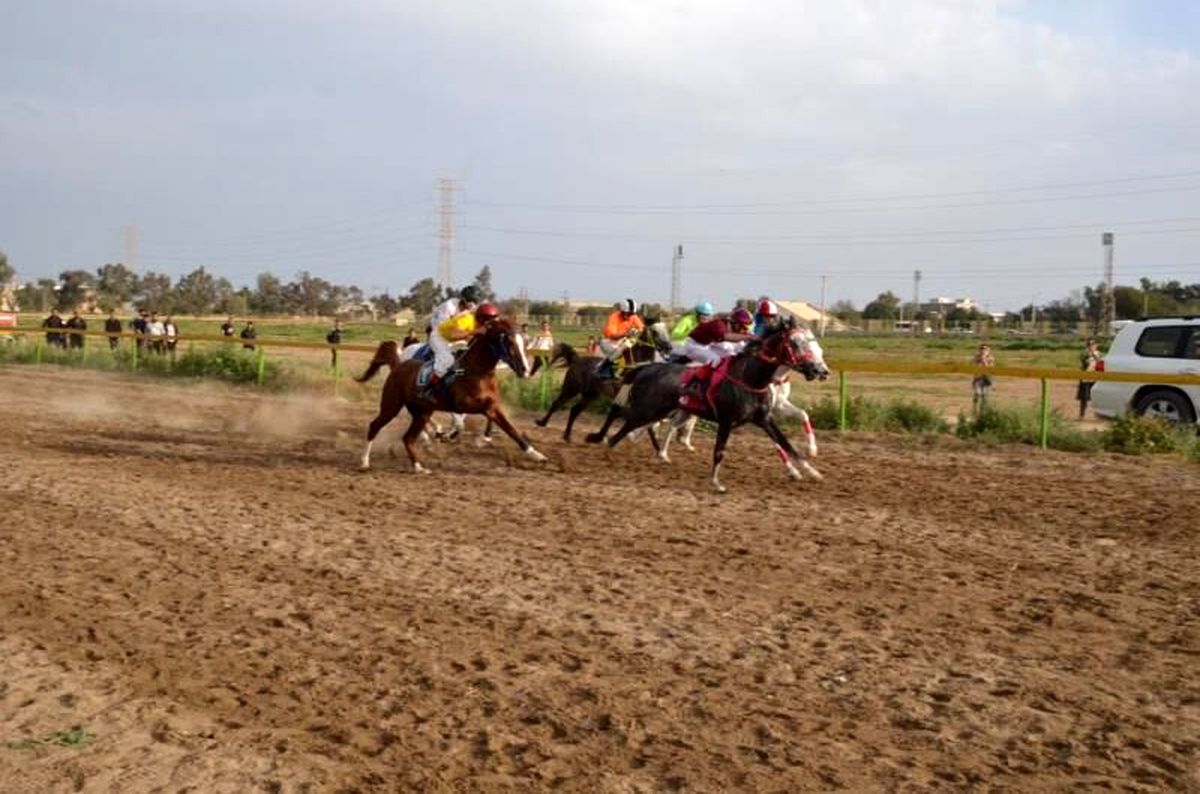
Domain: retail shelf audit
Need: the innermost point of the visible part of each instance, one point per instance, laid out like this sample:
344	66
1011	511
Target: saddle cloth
425	375
699	387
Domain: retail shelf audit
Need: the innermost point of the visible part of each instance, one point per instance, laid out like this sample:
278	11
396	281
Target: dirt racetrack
199	578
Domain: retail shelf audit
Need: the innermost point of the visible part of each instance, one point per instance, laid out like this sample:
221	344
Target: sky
987	144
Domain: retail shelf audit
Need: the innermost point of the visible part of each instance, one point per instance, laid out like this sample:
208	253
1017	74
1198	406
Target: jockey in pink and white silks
715	339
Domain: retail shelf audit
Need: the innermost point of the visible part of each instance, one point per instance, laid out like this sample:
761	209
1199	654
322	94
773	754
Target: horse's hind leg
569	390
576	410
613	412
386	414
415	429
674	422
685	435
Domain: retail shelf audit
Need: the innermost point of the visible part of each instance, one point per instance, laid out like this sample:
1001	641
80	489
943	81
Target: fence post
1045	414
337	372
262	365
841	400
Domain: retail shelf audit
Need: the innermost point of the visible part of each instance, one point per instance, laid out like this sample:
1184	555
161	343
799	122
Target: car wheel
1167	405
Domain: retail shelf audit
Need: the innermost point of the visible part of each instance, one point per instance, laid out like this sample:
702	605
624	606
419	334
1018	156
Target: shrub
1010	425
863	413
1139	435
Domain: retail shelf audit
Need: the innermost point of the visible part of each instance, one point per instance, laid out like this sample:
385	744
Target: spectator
544	339
113	326
334	337
156	331
227	328
981	385
1088	360
76	323
593	347
54	321
410	338
140	326
249	334
171	331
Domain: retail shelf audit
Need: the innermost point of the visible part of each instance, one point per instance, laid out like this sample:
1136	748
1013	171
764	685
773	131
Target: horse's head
656	334
506	345
798	348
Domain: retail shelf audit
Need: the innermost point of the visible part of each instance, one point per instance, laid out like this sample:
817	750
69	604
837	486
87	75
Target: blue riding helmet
704	309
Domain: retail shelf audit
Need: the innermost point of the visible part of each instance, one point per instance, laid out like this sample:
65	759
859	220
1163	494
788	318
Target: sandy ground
199	577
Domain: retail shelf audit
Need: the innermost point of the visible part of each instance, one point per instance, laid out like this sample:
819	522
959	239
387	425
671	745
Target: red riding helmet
767	308
741	317
486	313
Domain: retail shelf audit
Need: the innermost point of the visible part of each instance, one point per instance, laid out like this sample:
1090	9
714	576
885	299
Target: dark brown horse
584	380
474	391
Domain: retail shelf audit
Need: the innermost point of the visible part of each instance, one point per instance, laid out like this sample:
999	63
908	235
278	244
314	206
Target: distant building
810	315
940	307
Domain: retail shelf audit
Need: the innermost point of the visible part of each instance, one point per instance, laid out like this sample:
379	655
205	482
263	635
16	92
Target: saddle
699	387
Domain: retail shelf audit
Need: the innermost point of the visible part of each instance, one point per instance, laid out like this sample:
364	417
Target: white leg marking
419	469
686	437
365	462
533	453
716	482
810	471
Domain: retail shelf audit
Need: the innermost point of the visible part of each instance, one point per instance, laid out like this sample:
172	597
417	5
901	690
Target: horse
737	393
474	391
584	380
779	398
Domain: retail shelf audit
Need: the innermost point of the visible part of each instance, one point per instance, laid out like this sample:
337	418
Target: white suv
1165	345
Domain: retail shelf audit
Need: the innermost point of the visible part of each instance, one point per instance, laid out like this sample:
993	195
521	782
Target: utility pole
821	326
1108	311
446	188
916	292
676	276
130	234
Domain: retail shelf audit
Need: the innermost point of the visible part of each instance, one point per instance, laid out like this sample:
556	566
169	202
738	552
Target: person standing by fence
1088	360
54	321
334	338
227	328
76	323
544	339
113	326
171	332
249	335
140	325
156	331
981	384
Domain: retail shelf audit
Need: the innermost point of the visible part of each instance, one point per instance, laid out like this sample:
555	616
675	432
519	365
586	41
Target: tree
38	297
155	294
423	296
845	311
6	270
74	286
235	303
196	293
116	285
385	305
546	309
483	283
884	307
269	296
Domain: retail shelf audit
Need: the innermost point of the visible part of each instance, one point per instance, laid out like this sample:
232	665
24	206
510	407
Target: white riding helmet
629	306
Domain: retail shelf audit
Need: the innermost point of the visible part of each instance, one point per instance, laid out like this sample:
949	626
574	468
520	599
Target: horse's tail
565	352
387	353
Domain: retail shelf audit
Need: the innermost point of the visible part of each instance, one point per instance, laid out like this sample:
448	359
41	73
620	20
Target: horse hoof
720	489
419	469
364	467
811	472
541	422
689	447
533	453
663	459
593	438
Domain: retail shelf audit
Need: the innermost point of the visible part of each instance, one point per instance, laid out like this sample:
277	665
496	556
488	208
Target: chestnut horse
474	391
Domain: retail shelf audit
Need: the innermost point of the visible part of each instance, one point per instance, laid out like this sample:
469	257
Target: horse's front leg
787	453
810	438
415	429
723	431
496	415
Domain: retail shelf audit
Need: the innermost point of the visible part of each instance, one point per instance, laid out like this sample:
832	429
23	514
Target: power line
671	208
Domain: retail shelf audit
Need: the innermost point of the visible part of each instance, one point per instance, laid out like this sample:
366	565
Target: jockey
766	317
443	347
622	327
715	339
688	322
459	328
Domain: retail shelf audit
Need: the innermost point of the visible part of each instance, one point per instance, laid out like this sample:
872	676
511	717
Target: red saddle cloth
699	386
